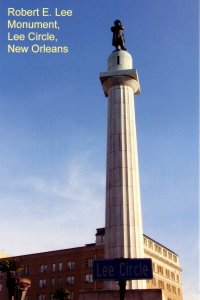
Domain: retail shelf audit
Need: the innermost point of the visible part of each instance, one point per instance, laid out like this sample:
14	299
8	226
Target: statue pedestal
147	294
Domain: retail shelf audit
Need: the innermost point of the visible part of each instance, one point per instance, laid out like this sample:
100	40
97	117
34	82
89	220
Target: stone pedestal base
147	294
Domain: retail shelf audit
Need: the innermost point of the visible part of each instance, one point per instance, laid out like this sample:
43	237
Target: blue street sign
122	269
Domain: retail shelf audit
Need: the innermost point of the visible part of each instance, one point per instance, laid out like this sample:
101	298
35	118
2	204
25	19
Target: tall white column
124	233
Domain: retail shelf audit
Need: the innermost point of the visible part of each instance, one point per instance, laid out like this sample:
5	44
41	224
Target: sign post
122	269
122	289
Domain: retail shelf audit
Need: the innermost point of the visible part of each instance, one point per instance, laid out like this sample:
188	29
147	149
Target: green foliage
10	265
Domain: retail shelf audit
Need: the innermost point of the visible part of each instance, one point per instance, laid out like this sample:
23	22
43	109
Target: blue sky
53	118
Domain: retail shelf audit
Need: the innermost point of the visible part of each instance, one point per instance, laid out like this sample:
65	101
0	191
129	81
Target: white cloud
191	295
48	213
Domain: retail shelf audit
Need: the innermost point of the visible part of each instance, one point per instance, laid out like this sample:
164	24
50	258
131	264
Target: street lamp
22	286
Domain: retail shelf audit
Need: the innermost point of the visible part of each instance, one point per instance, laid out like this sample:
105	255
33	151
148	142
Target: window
145	241
59	281
60	265
26	270
88	278
172	276
157	248
161	284
42	283
164	252
70	279
168	287
170	255
175	258
41	297
43	268
71	265
177	278
53	267
89	262
150	244
52	282
167	273
174	289
1	286
160	269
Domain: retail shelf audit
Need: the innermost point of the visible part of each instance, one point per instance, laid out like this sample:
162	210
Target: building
72	269
166	269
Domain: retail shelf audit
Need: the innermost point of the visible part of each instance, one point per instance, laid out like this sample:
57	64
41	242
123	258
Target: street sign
122	269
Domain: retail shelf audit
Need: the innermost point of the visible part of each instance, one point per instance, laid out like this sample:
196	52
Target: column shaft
124	235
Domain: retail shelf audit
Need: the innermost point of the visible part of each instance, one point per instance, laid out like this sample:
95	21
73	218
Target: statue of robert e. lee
118	40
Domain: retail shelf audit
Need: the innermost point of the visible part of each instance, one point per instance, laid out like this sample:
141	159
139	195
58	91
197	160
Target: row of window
60	266
57	281
42	296
161	284
167	273
173	289
150	244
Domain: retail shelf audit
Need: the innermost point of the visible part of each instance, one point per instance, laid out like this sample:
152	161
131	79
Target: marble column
123	230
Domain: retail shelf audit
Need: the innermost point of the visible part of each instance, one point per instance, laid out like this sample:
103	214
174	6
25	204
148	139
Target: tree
62	294
10	267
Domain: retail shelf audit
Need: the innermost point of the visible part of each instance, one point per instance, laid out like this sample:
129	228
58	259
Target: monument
123	228
124	233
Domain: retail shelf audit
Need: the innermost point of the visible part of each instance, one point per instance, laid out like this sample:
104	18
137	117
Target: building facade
166	269
72	269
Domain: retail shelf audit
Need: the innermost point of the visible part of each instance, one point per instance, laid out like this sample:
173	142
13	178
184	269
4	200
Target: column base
147	294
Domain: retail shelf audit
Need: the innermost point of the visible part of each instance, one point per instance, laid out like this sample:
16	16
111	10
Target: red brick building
72	269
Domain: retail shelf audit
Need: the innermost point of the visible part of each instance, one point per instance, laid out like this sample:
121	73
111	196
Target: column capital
127	77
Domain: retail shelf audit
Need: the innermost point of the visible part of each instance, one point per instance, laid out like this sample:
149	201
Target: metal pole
10	284
122	291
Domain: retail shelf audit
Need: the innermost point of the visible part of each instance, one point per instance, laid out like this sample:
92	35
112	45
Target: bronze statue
118	40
